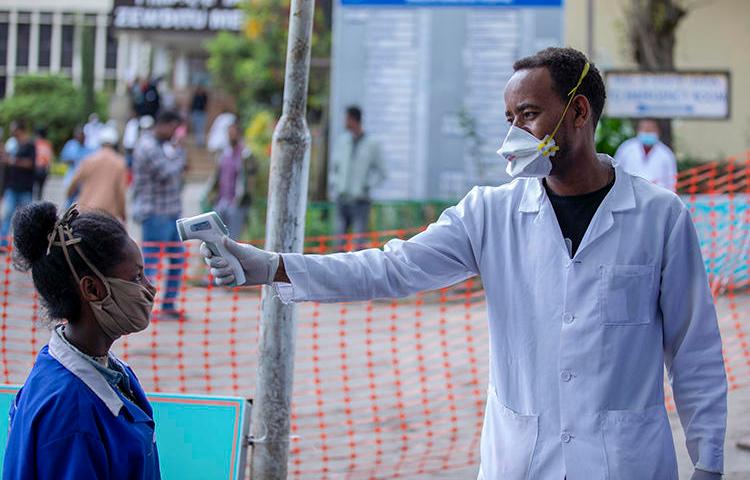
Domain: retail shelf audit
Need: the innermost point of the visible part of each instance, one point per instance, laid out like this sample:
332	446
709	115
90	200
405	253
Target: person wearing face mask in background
82	412
594	283
647	157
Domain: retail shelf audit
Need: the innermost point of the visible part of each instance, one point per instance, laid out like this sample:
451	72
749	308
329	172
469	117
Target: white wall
714	35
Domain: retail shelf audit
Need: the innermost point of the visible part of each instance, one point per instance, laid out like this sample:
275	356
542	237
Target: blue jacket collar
72	361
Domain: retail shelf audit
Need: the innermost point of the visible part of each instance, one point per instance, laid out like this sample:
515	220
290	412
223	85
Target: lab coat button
568	318
565	437
565	375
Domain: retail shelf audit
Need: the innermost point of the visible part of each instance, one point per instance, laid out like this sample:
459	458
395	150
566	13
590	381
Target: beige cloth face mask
127	306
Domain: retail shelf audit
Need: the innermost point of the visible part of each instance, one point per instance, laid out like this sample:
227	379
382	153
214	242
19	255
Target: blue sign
453	3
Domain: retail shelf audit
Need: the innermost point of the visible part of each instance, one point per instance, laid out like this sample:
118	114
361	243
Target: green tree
250	66
652	31
51	101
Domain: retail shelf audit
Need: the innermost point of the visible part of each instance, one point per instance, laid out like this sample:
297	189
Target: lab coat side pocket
638	444
508	441
626	294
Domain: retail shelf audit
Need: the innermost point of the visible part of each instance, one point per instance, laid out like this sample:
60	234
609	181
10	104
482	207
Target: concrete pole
34	42
56	43
100	53
285	229
10	67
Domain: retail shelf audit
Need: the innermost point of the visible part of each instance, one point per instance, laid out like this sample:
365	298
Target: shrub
51	101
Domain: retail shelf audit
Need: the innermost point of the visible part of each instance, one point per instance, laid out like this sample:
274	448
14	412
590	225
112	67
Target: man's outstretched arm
440	256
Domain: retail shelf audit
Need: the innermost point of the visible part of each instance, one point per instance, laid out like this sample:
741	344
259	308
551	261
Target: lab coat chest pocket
508	441
626	294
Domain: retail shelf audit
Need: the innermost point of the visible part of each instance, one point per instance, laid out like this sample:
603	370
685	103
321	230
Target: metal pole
285	228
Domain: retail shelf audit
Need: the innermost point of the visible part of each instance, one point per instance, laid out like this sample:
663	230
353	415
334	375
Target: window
22	45
2	87
66	59
111	62
45	45
3	45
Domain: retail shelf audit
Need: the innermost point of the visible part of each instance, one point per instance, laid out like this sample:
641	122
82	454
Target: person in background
91	131
218	134
357	169
151	101
19	181
82	413
231	185
158	167
101	179
647	157
3	162
167	99
130	138
44	156
198	115
73	152
11	144
136	96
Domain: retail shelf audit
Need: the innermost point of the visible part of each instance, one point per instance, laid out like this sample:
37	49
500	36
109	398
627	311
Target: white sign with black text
686	95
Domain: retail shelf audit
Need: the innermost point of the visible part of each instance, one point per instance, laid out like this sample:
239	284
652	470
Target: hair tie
62	233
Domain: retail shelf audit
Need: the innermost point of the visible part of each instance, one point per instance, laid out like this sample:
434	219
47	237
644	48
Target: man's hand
260	266
703	475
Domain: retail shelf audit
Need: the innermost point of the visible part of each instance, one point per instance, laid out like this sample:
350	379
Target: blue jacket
68	423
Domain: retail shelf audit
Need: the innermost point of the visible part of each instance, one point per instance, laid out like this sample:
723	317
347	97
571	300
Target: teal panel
198	436
7	394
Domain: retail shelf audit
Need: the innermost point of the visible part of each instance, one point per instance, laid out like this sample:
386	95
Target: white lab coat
659	166
577	346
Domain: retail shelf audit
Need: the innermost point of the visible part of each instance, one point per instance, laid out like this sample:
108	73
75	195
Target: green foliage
51	101
250	66
384	216
610	133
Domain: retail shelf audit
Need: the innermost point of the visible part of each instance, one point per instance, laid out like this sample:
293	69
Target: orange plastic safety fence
383	389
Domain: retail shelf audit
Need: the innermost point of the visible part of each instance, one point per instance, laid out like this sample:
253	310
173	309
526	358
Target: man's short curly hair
565	66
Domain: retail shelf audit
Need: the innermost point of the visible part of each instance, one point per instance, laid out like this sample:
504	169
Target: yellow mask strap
571	94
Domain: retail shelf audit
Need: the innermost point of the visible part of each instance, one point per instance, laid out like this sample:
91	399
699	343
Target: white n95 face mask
527	156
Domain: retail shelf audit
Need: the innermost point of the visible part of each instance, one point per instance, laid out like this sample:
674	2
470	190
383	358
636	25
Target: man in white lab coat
647	157
594	282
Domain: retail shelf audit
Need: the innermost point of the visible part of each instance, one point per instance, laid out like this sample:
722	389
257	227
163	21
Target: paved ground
382	390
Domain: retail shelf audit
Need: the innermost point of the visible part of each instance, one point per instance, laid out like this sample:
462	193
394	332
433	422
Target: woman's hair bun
32	225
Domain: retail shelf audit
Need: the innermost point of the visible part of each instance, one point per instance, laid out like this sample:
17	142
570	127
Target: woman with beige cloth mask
82	412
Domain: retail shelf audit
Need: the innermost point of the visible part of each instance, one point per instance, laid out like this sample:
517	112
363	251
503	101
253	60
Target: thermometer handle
219	250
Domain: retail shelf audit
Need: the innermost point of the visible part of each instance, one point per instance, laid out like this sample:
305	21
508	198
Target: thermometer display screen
200	227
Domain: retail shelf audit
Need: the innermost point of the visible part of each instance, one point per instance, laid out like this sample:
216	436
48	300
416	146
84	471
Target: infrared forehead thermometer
209	228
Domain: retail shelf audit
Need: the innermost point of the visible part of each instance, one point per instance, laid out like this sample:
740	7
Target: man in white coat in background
646	156
594	283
